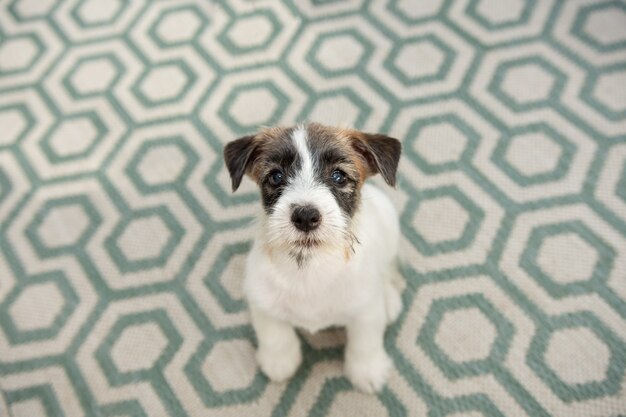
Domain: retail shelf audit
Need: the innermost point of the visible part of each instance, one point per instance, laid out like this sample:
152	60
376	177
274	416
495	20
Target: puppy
325	252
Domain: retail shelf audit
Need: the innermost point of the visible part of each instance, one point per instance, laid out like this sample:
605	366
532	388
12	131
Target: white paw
393	303
368	374
280	365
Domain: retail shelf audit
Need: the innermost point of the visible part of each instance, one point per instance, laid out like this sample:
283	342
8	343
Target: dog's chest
316	309
313	300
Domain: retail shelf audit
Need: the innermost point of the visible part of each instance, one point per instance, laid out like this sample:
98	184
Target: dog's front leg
367	363
279	352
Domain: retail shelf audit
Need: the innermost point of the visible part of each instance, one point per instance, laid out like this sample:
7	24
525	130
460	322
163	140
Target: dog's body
325	252
330	290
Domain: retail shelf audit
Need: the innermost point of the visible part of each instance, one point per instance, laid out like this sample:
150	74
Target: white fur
329	288
300	139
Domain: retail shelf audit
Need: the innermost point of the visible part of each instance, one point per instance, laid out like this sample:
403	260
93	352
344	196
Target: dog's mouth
307	242
302	249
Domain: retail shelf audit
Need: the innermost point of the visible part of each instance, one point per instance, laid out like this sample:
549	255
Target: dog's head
310	178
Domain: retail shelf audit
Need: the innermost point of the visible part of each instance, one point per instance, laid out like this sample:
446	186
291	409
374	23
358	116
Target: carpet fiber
121	245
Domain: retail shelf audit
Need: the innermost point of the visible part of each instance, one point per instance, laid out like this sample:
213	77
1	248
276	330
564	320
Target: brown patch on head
277	154
331	151
369	153
333	145
275	150
270	150
356	154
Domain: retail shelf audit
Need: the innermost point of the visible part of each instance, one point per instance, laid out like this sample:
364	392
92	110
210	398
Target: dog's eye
276	178
338	177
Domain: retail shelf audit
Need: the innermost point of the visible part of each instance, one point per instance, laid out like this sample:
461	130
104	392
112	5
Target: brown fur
270	140
370	153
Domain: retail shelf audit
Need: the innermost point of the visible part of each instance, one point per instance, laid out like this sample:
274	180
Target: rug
122	246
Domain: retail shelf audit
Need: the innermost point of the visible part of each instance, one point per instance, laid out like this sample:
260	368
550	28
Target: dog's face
310	179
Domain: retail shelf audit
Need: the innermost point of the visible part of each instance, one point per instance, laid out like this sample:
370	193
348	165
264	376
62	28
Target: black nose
306	218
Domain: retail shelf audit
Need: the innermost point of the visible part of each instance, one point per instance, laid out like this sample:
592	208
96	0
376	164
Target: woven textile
122	247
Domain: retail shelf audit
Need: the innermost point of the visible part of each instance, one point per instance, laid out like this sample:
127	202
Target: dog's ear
381	153
239	155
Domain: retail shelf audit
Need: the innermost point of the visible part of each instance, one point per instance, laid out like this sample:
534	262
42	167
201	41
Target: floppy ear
381	154
238	156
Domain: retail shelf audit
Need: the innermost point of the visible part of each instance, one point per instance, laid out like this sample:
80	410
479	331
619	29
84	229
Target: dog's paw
281	365
393	303
368	374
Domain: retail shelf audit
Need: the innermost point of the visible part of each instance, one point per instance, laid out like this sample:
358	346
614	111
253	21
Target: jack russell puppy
325	251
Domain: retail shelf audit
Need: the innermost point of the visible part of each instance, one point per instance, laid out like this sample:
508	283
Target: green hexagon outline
161	43
451	368
48	149
495	85
46	396
442	71
568	150
203	387
578	31
427	248
213	282
71	89
235	49
586	93
392	7
127	265
126	408
468	402
190	80
282	100
13	10
468	132
103	353
602	269
322	2
5	185
70	301
472	11
191	160
82	24
620	191
28	117
39	45
88	208
334	386
312	60
578	392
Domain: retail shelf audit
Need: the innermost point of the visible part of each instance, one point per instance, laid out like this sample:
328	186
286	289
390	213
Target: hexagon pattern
14	124
123	249
94	75
18	53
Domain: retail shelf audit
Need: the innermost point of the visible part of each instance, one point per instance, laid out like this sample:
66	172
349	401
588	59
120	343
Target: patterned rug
121	245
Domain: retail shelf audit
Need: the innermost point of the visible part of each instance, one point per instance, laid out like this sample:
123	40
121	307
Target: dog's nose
306	218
